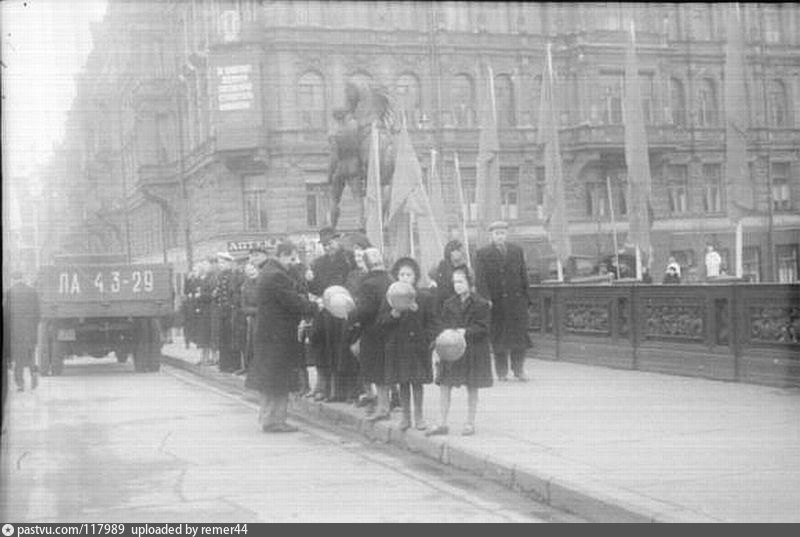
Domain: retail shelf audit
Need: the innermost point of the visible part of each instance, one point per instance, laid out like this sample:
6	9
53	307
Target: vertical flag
487	189
409	206
462	208
373	203
555	210
636	155
436	195
739	187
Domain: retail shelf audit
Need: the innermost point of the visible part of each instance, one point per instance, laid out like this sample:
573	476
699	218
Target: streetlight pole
187	221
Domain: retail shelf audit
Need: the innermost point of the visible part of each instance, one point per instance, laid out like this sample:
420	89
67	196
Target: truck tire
147	353
57	358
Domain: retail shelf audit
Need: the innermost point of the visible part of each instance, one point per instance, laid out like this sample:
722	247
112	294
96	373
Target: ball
401	296
450	345
338	302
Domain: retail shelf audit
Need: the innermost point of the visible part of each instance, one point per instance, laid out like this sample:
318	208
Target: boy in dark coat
276	360
20	327
502	278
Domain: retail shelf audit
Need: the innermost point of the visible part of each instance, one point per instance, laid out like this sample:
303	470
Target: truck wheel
122	355
143	352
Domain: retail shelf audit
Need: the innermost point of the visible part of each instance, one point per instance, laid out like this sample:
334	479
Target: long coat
370	296
504	281
327	334
407	342
277	355
474	369
21	316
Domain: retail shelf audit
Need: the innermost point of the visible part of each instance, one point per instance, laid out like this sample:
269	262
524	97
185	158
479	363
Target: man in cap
223	299
502	277
20	324
330	269
257	258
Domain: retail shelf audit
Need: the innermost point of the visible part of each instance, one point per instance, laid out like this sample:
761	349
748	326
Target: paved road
102	443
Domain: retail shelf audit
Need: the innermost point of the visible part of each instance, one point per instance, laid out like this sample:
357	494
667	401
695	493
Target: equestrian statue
350	146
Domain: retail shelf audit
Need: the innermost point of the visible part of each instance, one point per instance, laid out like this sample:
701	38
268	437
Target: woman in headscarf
454	257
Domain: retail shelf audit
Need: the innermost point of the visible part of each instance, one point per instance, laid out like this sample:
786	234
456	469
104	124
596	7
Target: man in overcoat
274	370
502	278
20	324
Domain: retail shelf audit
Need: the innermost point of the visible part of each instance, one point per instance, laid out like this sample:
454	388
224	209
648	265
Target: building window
678	188
596	199
751	263
646	91
707	103
712	188
317	204
255	202
611	99
786	260
311	101
781	194
463	101
504	96
778	104
677	103
509	193
541	186
408	97
469	183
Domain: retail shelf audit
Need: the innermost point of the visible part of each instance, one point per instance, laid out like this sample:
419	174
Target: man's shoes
522	377
438	430
279	428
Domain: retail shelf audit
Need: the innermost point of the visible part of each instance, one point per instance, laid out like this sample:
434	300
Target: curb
585	497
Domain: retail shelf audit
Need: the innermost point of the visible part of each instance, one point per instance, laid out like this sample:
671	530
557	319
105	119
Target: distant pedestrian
256	260
369	298
673	272
713	261
21	316
408	336
502	278
276	360
469	313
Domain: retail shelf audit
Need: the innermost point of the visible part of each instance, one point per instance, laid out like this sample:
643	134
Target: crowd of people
271	317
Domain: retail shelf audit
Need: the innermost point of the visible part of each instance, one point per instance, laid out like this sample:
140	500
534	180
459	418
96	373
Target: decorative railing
732	331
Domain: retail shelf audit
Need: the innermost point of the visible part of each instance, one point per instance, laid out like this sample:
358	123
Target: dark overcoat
408	342
327	334
21	316
504	281
370	296
474	369
278	352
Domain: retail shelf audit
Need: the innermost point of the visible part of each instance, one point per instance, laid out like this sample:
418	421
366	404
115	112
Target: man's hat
498	224
327	234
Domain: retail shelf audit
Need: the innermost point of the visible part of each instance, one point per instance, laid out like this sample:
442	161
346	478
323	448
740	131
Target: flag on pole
373	205
462	206
636	156
487	189
436	195
739	186
410	212
555	206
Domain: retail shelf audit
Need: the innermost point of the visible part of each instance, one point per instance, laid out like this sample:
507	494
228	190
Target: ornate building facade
207	121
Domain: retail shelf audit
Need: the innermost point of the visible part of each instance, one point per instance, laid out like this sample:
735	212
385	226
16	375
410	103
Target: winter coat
408	342
504	281
250	297
278	352
21	316
474	369
327	331
369	298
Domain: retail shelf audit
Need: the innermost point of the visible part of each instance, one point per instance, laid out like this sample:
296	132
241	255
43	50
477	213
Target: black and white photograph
273	261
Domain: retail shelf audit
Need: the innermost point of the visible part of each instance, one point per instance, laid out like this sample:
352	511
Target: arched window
409	98
778	104
504	96
462	97
677	102
707	103
311	101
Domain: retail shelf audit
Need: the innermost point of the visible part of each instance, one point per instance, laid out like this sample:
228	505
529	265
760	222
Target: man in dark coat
20	325
502	278
329	269
274	370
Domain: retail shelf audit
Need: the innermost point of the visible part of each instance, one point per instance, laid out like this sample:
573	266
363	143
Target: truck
95	304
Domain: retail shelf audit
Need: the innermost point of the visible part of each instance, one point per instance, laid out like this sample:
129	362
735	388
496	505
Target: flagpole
613	222
463	206
378	193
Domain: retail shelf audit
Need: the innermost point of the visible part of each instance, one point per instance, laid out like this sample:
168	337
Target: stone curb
585	497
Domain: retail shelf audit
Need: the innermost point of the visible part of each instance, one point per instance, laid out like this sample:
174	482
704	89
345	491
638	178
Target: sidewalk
607	444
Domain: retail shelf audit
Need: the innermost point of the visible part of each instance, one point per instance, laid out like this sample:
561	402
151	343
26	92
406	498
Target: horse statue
350	146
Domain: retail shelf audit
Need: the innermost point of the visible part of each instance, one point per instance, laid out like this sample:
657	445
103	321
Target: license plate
66	334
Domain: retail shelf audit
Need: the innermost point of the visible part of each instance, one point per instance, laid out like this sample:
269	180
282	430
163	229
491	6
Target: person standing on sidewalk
469	313
408	335
502	278
257	258
20	327
369	298
273	372
454	257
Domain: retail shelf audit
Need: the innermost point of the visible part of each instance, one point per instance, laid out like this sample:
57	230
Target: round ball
401	295
450	345
339	302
